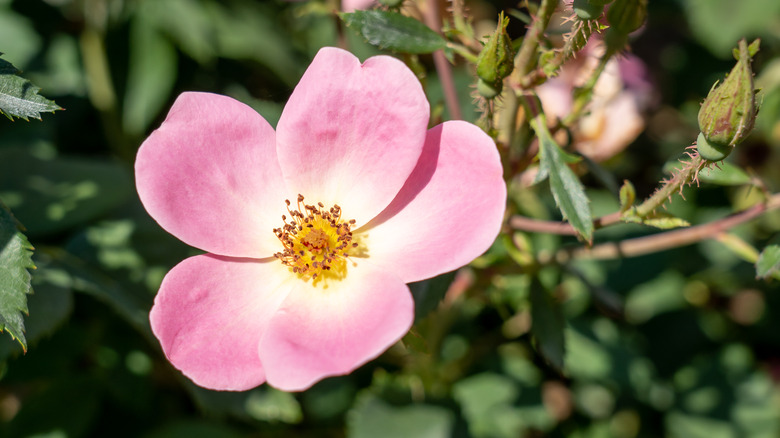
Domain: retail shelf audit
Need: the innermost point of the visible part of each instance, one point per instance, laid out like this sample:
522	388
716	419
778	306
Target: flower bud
496	60
728	113
625	16
589	9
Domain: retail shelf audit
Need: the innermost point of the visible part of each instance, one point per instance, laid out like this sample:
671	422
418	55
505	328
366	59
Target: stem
682	177
523	223
101	90
525	59
443	68
663	241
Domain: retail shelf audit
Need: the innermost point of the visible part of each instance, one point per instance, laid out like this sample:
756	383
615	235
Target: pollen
316	240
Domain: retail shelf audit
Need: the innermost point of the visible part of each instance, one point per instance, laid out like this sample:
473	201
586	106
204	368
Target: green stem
525	60
683	177
101	91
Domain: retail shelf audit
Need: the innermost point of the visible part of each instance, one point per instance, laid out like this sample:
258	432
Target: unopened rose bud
729	112
589	9
626	16
496	60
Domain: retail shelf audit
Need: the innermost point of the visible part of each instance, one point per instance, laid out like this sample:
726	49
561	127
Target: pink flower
355	5
292	292
615	113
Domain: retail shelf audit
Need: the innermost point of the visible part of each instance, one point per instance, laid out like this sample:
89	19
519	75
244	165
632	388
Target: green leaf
393	31
373	418
271	405
547	325
768	263
725	174
19	97
566	188
429	293
15	260
718	24
627	196
487	402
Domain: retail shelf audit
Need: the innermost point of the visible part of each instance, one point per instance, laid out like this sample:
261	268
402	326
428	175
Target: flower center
315	241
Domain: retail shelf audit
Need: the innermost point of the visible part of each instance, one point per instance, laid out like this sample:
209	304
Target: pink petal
210	314
209	175
319	332
448	213
351	134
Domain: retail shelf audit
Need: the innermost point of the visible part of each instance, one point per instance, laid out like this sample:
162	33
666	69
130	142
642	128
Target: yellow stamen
315	241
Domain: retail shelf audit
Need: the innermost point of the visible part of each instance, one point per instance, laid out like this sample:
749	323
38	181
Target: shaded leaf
487	403
566	188
373	418
19	97
393	31
725	174
428	293
768	263
547	325
15	260
273	405
52	195
150	77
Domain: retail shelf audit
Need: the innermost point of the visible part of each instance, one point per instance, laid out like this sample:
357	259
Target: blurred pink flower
615	114
295	291
354	5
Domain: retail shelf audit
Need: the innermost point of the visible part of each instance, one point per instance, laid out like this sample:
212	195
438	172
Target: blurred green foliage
683	343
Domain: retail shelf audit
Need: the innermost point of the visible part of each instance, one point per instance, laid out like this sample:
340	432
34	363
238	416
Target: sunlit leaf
19	97
15	260
566	188
393	31
768	263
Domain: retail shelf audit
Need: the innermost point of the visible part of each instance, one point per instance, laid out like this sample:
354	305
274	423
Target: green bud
625	16
711	151
588	9
489	91
729	112
496	60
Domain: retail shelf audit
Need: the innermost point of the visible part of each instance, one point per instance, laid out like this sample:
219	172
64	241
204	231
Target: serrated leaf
768	263
393	31
725	174
19	97
547	325
15	260
566	188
